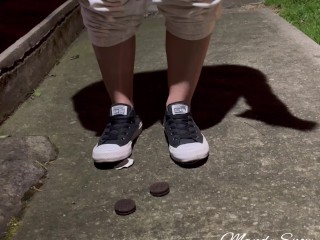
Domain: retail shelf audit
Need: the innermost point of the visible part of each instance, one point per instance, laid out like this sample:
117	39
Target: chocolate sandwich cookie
159	189
125	207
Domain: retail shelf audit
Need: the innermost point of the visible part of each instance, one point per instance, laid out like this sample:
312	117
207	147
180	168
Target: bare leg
116	65
185	60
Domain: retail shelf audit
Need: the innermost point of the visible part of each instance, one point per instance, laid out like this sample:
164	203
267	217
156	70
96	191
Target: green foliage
36	93
304	14
12	229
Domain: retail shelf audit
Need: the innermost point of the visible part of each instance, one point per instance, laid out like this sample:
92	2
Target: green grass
12	229
304	14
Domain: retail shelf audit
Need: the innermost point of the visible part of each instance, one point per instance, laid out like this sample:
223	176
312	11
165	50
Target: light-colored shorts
110	22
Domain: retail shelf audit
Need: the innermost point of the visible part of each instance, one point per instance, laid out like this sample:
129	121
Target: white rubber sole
111	152
190	152
108	153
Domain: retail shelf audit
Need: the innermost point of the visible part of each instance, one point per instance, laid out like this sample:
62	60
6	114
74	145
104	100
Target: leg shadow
218	90
221	86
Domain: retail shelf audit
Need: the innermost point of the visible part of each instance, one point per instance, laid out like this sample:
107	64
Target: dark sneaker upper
186	143
116	140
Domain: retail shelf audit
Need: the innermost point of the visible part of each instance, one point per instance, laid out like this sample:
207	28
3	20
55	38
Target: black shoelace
182	127
117	128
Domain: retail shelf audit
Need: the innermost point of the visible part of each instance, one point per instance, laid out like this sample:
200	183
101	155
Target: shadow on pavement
194	164
219	89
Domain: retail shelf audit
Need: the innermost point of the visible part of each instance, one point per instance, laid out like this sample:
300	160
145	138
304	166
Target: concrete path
258	104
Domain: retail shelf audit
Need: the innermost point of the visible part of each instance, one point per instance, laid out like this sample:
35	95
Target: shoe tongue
120	109
178	108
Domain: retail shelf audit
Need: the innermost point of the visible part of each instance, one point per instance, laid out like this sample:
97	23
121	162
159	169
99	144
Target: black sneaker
115	143
186	143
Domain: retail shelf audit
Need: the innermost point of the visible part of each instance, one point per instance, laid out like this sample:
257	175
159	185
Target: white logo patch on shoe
179	109
119	110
